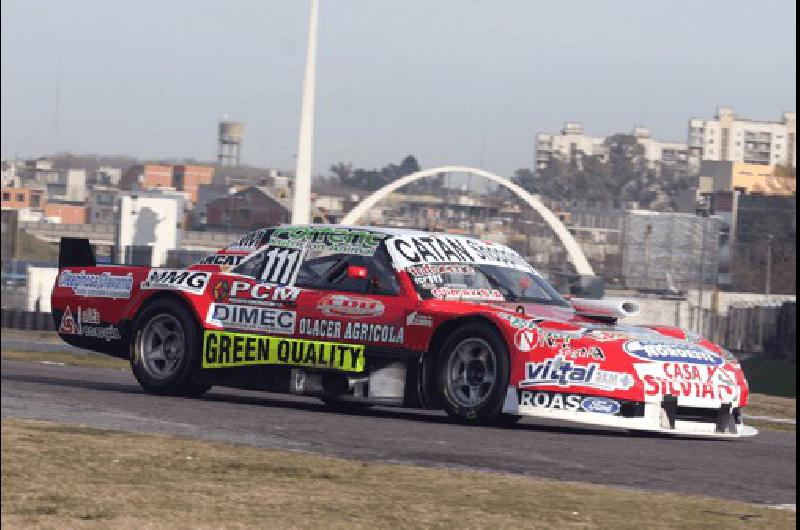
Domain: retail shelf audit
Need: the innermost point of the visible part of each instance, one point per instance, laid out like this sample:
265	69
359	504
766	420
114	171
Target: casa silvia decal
652	350
227	350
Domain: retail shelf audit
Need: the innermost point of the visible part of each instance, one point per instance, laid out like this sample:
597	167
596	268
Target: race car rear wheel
165	350
473	370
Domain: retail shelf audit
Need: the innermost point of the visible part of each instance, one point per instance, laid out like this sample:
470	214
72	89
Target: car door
352	299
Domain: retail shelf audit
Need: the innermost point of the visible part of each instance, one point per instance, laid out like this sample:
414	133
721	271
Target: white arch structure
573	249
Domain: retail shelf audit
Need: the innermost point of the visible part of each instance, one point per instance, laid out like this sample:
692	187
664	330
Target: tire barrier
28	320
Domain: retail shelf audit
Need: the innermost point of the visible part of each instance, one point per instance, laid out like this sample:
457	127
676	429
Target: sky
450	81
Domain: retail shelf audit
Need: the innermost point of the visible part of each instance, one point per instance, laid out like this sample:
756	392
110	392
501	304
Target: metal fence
767	329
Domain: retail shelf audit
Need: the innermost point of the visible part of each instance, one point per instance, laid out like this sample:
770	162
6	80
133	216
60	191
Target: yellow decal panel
223	349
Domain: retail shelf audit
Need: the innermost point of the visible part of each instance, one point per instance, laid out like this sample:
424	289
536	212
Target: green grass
774	377
61	476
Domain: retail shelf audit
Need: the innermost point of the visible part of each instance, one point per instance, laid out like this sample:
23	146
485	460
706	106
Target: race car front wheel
473	370
165	350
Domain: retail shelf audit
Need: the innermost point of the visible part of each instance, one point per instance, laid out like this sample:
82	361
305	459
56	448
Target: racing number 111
280	266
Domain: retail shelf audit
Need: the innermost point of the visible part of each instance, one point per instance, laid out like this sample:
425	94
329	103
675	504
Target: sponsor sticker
526	339
248	292
561	372
86	322
570	402
458	293
177	279
600	405
223	260
250	241
68	325
409	251
334	239
416	319
358	331
655	350
267	319
102	285
518	322
688	379
225	350
342	305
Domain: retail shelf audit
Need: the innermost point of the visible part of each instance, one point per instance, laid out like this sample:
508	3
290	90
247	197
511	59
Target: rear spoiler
75	252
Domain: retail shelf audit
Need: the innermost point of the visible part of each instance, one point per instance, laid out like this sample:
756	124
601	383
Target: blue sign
678	352
600	405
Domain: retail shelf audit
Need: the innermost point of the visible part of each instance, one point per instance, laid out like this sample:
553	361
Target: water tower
229	142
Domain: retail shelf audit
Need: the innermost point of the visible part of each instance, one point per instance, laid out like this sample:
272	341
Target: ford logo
600	405
651	350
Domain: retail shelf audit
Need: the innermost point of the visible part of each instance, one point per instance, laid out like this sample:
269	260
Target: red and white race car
360	316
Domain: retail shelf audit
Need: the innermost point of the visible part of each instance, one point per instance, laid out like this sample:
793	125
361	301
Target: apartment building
569	146
728	137
573	144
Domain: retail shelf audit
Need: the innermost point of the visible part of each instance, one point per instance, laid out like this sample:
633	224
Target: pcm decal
249	292
226	350
103	285
176	279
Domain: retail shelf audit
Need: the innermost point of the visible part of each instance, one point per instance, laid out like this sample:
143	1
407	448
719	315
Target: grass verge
56	475
98	360
771	376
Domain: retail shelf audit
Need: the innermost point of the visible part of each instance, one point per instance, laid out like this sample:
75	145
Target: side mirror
357	273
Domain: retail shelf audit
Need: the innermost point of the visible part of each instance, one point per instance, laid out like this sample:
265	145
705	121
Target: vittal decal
561	372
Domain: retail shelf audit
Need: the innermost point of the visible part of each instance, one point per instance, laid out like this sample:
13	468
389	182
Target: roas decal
350	306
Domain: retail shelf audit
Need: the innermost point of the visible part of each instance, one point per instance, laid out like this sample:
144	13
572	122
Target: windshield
482	282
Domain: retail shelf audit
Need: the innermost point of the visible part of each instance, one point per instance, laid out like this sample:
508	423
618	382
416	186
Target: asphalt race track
760	469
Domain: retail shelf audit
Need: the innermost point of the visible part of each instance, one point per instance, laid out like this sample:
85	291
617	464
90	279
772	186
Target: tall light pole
302	181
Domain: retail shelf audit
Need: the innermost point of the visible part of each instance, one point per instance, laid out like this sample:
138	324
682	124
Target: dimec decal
177	279
655	350
226	350
267	319
341	305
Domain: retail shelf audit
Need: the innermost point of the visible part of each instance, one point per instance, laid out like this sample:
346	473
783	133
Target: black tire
184	378
488	409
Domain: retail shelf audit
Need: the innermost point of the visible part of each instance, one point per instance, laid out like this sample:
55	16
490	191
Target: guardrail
28	320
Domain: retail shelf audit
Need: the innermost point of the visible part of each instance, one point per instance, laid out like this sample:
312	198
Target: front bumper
666	416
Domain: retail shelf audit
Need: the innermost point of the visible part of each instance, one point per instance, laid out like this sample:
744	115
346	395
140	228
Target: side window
252	265
325	270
